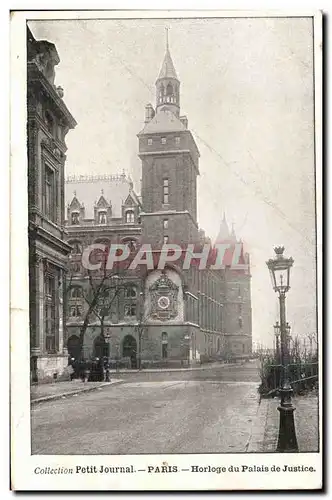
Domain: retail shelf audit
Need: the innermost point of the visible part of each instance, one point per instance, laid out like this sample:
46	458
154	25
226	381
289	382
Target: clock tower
170	159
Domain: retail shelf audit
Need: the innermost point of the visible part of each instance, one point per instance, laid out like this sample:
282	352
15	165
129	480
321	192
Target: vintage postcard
166	198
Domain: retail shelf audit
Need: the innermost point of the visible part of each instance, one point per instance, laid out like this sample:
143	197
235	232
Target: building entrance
129	349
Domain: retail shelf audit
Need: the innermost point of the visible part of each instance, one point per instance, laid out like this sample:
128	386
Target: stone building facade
153	316
49	120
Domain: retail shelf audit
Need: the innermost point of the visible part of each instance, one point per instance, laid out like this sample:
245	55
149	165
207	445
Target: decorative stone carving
164	298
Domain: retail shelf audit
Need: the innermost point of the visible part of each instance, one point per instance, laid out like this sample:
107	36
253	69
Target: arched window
161	90
130	217
76	292
130	292
131	243
75	218
169	89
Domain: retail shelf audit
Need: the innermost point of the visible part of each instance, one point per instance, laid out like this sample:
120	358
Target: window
240	309
169	89
132	244
177	140
165	223
149	142
49	195
76	311
165	191
130	310
130	217
102	218
49	121
75	218
130	292
163	140
164	345
165	240
76	292
50	313
240	322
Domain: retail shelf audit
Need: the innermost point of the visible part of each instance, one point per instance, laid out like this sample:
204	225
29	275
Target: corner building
179	316
49	121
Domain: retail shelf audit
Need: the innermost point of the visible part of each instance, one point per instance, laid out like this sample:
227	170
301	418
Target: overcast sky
247	89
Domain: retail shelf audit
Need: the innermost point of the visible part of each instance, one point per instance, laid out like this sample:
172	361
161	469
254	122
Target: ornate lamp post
279	268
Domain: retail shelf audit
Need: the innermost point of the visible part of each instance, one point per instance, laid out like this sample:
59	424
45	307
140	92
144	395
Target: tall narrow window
165	240
75	219
49	200
163	140
165	223
102	218
50	313
165	192
164	345
130	217
177	140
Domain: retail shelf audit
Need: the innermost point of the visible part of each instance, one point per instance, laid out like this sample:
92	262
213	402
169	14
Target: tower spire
167	46
168	84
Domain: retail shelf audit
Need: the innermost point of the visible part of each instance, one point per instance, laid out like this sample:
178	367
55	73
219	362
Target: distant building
48	123
167	317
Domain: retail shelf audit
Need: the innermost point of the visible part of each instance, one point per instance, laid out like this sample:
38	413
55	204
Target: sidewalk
265	430
58	390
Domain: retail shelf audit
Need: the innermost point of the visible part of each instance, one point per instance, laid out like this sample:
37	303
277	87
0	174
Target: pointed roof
164	121
224	233
167	69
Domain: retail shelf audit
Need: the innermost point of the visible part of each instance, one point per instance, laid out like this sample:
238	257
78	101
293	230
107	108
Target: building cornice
36	76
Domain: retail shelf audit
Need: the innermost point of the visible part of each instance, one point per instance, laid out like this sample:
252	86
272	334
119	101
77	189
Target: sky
247	90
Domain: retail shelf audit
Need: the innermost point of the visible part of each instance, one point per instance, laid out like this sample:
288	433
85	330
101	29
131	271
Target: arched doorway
74	347
100	347
129	349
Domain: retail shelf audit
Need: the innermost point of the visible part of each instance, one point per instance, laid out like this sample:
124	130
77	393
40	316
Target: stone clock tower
169	166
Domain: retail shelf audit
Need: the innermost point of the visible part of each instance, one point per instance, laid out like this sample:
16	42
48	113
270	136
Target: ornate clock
164	298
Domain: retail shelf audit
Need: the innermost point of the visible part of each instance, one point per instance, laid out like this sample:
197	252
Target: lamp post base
287	441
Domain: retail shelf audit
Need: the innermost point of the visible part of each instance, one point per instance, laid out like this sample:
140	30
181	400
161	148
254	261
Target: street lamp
279	268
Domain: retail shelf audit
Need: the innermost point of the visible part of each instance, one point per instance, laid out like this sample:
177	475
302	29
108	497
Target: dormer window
102	219
163	140
177	140
75	218
130	217
149	142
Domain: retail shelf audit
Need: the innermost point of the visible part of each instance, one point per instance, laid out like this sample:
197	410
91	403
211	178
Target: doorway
129	350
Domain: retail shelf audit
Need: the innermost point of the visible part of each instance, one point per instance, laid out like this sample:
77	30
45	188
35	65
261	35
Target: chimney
149	113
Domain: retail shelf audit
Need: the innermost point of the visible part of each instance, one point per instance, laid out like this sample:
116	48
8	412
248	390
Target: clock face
163	302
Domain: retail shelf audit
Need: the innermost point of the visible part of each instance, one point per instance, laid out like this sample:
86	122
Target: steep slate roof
88	190
163	121
167	68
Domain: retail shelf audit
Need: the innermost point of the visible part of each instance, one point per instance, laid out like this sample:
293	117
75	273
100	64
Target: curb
170	370
72	393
